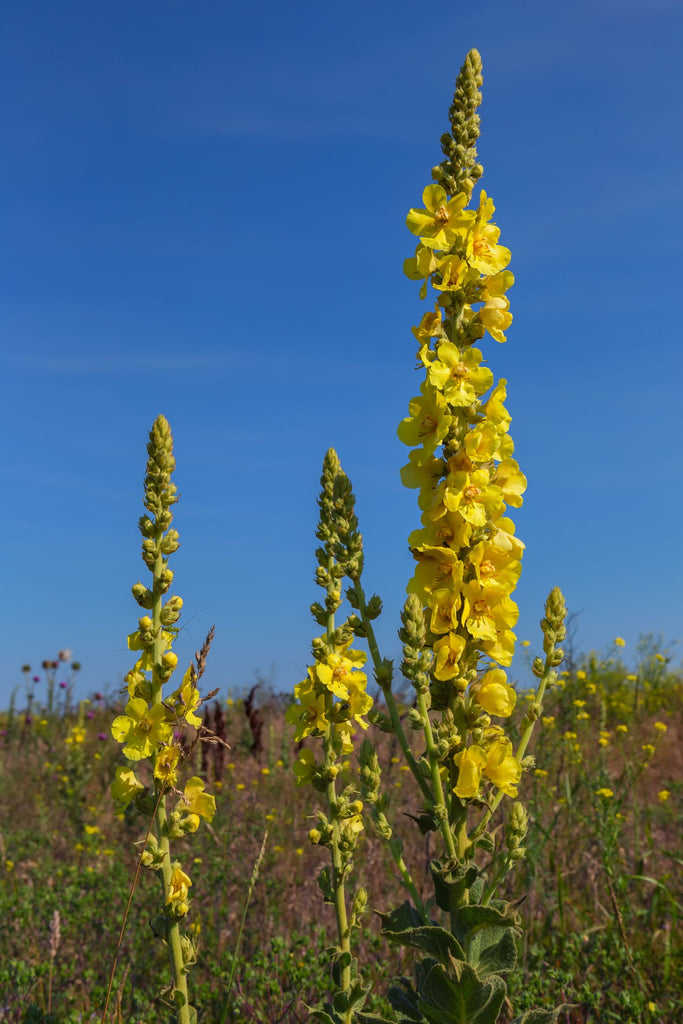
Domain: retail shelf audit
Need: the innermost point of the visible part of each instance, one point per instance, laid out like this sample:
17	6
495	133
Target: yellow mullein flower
473	496
496	560
428	422
495	316
470	763
458	374
494	694
512	482
187	699
439	223
487	610
436	568
483	252
141	729
197	803
166	763
502	649
179	886
452	271
485	442
338	671
447	653
309	715
430	326
444	605
125	787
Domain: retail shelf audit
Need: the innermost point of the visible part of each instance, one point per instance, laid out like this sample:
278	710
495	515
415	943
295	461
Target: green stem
338	887
388	695
524	740
439	795
407	878
172	927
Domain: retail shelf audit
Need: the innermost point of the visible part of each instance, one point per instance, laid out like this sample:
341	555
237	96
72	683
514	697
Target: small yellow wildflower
179	885
622	728
525	643
619	641
580	674
604	792
631	678
661	727
240	785
540	773
663	795
648	749
660	657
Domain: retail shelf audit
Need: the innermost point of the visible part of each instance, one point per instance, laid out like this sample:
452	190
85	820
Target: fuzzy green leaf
466	999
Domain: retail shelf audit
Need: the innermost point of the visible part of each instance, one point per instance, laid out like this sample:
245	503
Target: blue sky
203	210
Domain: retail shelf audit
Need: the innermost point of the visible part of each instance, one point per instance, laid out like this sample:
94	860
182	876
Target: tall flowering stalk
328	702
151	726
458	619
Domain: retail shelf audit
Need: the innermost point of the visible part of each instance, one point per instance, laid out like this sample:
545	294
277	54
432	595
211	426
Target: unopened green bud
170	543
380	721
360	902
385	673
188	950
538	668
170	613
143	595
165	579
415	719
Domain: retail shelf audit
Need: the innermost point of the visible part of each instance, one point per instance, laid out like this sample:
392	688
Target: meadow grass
599	884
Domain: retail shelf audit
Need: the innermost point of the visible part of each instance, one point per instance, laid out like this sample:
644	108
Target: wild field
598	889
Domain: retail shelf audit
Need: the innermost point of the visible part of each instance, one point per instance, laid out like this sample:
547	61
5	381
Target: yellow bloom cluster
468	557
338	676
467	553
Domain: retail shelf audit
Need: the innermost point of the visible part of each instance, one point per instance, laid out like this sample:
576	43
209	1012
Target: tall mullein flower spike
328	705
151	718
458	620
